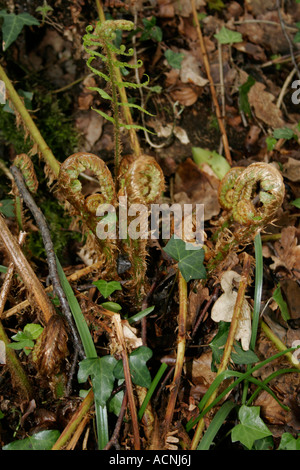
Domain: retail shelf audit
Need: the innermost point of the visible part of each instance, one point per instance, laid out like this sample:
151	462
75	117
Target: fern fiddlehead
258	194
252	197
86	207
142	182
226	188
25	165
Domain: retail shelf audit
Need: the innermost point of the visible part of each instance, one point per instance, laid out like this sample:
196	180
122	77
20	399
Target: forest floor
253	53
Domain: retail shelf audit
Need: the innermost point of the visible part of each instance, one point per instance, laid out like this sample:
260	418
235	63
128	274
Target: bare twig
51	258
72	278
284	88
182	286
31	282
114	438
212	87
119	332
18	374
283	27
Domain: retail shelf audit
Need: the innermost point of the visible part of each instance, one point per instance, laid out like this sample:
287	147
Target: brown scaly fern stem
140	180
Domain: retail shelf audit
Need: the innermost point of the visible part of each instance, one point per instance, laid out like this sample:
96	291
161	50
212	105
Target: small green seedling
25	339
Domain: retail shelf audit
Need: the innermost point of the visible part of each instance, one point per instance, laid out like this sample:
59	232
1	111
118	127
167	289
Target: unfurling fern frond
25	165
102	37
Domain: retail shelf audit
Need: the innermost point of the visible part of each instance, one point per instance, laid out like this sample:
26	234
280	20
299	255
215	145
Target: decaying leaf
190	71
224	307
291	169
90	124
51	347
287	252
194	186
263	104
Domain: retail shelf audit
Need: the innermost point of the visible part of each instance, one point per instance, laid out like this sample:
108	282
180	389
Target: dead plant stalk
211	83
230	340
182	286
26	272
119	332
17	372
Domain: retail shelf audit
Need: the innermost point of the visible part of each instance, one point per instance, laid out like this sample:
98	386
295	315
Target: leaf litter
256	47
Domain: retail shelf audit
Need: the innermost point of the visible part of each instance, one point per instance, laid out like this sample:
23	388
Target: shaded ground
49	62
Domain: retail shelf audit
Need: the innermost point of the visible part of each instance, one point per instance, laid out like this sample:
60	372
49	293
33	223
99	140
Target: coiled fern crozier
103	36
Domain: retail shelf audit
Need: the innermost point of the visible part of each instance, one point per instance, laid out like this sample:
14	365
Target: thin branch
283	27
119	332
211	82
26	272
114	438
181	342
51	258
18	374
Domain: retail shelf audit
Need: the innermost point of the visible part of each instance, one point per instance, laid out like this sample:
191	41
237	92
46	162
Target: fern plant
103	36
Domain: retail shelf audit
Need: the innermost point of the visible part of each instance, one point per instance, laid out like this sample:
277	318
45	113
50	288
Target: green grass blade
152	387
138	316
258	288
90	351
215	425
82	327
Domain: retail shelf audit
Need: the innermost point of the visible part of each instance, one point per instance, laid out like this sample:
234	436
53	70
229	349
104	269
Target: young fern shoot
103	36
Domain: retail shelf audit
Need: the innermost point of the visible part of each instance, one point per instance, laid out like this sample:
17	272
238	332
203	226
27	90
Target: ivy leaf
190	260
243	95
226	36
13	24
112	306
174	59
271	142
138	369
217	162
289	442
100	370
251	427
7	207
277	296
296	203
283	133
43	440
33	330
107	288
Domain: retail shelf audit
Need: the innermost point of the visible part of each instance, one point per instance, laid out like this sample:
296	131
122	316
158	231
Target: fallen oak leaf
223	308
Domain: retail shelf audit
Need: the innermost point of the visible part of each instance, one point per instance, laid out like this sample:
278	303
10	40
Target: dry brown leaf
190	71
253	50
193	186
223	308
288	252
263	104
271	411
85	101
90	124
184	8
291	169
200	374
186	95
